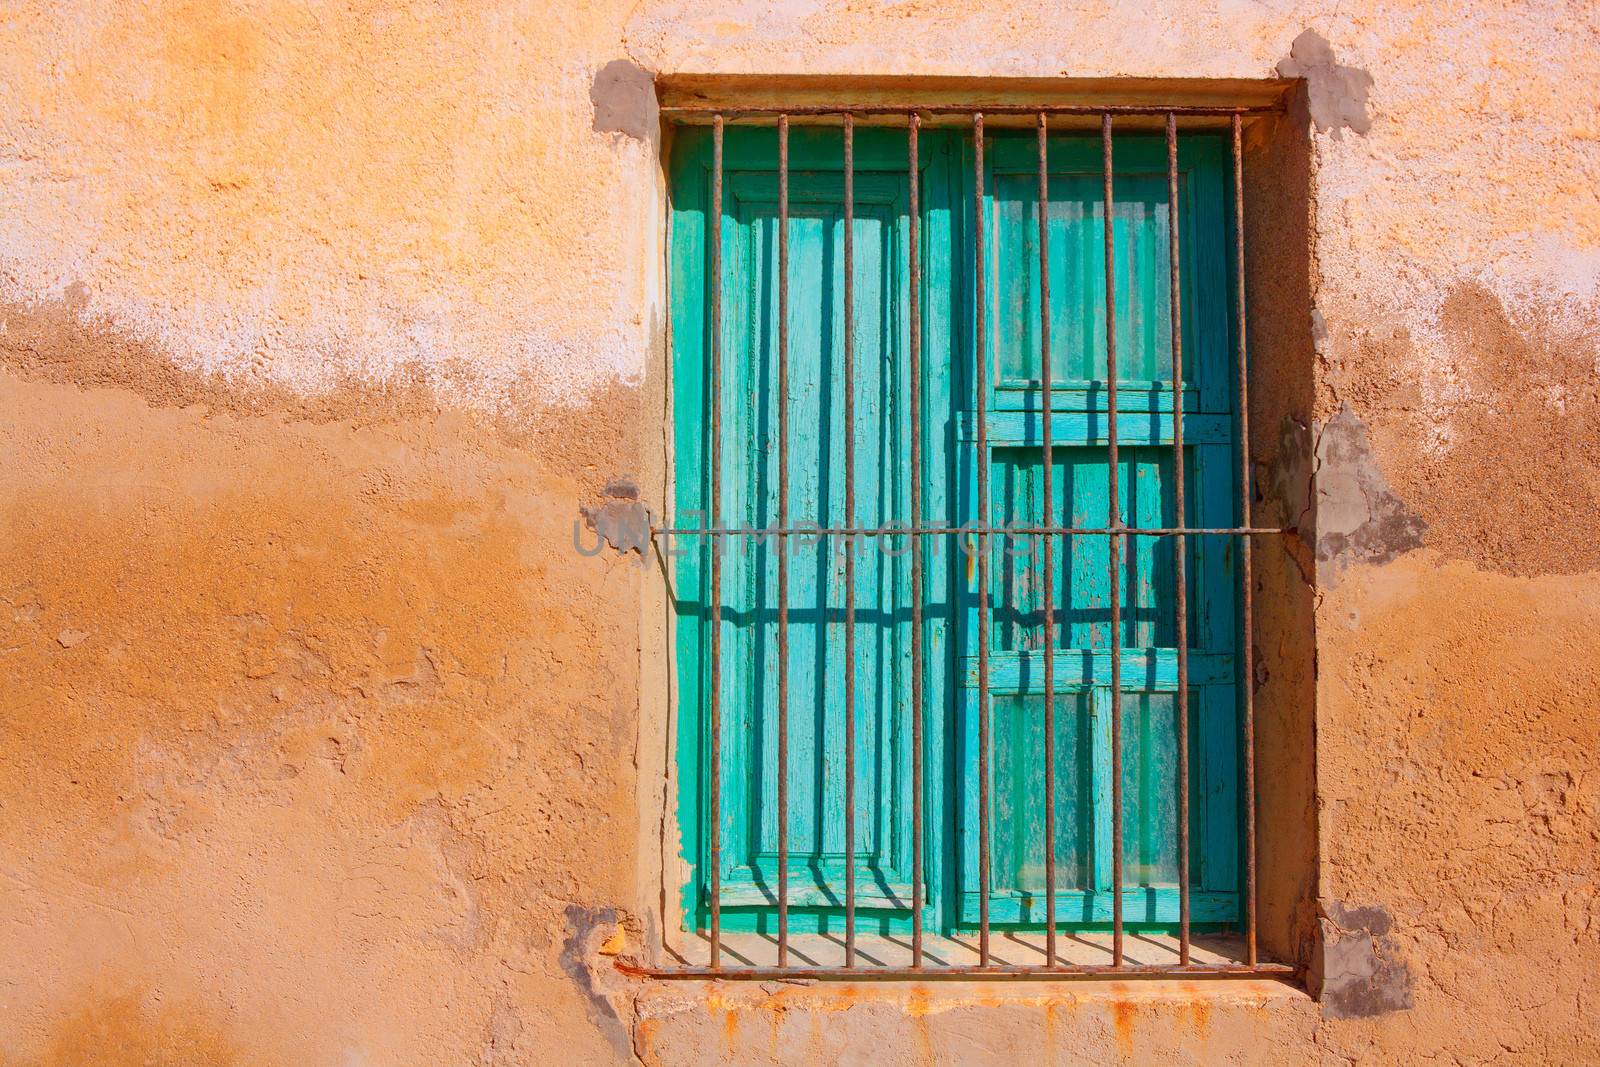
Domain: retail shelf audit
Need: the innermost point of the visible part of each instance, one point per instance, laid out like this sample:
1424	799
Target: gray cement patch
585	926
1359	970
1337	95
1355	516
624	99
620	519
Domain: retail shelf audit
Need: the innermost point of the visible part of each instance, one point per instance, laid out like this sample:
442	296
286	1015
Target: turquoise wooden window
817	666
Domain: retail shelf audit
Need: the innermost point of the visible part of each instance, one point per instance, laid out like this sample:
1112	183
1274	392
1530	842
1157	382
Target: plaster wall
322	743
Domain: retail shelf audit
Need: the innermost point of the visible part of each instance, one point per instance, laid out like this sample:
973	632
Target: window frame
1241	532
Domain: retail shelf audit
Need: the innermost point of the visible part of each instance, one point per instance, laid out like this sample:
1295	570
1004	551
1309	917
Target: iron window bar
982	531
1047	406
980	398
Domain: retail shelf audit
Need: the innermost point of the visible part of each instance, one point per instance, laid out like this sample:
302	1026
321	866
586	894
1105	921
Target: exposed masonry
1336	95
1361	972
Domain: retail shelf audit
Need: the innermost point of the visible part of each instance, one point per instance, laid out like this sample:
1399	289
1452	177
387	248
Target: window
815	421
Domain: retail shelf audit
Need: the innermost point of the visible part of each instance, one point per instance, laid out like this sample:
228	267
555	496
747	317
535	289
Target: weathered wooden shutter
1081	579
816	662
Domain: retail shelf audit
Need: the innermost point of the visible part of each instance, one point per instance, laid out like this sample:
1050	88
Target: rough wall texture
321	322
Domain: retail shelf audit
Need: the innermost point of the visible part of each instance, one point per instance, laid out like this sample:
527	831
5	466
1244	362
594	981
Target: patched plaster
1336	94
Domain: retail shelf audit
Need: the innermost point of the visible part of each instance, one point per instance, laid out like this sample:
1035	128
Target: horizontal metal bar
1061	972
972	109
975	531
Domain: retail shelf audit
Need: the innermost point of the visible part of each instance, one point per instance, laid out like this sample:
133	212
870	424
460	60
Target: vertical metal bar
1049	517
980	388
783	540
1114	509
1179	546
914	370
1246	583
717	544
849	546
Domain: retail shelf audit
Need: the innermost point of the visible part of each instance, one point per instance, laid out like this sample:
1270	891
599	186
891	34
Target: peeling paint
329	194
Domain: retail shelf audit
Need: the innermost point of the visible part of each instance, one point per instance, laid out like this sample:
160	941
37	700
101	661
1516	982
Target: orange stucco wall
318	325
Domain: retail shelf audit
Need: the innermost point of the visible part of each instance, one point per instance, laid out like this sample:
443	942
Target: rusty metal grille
912	117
